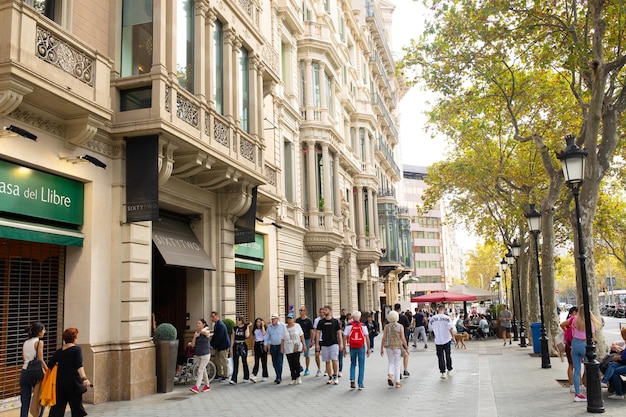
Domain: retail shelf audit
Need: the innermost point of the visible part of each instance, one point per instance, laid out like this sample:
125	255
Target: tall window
362	143
329	96
288	170
353	139
285	54
136	37
302	67
317	98
244	90
49	8
184	43
319	158
218	67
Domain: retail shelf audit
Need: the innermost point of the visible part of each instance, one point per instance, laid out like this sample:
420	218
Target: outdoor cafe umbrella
442	297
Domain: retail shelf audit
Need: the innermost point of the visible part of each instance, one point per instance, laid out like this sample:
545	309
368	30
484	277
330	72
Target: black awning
178	245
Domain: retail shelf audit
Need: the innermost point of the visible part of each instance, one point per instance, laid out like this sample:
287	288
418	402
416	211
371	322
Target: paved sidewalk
488	380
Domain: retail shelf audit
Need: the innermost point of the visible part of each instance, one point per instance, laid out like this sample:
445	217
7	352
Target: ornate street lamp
534	226
573	162
506	286
510	259
516	249
497	279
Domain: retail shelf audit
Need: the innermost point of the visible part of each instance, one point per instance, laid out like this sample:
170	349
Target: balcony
291	14
47	66
324	234
378	32
379	103
387	160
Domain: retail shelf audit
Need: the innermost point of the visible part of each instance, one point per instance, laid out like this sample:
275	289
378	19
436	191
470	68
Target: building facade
158	132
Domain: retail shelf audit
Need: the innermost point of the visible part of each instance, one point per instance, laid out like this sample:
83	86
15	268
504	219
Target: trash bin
535	330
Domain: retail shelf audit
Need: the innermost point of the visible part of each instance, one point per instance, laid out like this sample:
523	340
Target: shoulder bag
34	369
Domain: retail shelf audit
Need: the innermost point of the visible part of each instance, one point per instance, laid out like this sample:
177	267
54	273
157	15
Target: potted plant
166	342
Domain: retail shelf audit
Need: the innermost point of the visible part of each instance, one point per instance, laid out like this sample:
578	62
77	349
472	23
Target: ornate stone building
163	131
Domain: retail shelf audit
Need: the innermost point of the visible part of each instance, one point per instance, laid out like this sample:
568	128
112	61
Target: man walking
441	325
330	342
220	343
307	326
505	323
356	336
419	324
404	321
274	343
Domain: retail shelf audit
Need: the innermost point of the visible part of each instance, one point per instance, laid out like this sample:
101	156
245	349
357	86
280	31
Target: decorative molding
187	111
38	122
166	160
81	130
246	149
61	54
12	93
113	151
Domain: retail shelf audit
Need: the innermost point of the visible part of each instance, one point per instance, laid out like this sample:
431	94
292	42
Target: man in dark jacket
220	343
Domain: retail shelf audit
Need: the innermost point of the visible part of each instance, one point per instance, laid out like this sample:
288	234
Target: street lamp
534	226
516	249
497	279
510	259
506	286
573	162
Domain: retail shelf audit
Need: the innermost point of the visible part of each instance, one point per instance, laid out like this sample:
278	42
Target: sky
417	146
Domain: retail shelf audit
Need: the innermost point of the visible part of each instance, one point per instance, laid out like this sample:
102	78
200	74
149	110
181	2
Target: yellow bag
48	396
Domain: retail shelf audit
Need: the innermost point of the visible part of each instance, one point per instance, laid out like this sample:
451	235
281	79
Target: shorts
506	329
330	353
307	352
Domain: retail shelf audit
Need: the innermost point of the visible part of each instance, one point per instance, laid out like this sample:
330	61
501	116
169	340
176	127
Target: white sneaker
615	397
572	389
299	381
264	379
450	372
318	373
443	375
245	381
253	377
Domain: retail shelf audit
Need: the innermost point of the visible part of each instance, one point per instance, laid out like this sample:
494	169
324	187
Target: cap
274	315
290	316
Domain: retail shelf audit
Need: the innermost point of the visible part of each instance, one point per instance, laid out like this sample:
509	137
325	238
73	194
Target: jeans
616	381
340	359
260	355
394	356
357	355
443	355
240	350
26	391
578	353
609	371
277	361
371	341
203	361
293	359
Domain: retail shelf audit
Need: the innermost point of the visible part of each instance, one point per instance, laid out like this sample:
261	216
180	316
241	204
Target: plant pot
166	353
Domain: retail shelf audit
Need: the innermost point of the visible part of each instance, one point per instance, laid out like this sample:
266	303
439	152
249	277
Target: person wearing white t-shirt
441	326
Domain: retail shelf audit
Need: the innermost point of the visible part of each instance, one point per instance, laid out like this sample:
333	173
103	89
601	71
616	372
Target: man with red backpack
356	337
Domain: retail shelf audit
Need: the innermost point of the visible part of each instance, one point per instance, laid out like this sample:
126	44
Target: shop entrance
169	294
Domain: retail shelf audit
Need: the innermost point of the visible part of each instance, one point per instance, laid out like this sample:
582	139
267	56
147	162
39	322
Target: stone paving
488	380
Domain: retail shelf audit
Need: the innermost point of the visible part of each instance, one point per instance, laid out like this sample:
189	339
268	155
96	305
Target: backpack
356	340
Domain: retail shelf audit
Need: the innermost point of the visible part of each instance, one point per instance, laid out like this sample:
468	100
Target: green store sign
29	192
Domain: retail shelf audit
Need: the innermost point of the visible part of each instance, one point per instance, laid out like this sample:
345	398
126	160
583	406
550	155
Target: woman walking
200	343
71	379
260	354
579	342
239	349
293	344
31	349
393	341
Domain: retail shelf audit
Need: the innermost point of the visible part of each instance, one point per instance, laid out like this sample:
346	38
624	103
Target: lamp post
506	286
516	249
534	226
509	260
496	281
573	162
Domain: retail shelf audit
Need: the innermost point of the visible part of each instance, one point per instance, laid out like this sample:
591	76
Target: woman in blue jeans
579	342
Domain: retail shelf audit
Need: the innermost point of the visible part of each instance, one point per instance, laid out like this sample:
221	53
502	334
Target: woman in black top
71	378
239	349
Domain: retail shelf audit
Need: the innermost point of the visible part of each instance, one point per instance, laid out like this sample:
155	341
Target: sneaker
578	398
361	387
603	385
389	381
306	372
206	388
615	397
264	379
231	382
339	374
301	369
245	381
406	373
425	346
318	373
414	345
293	382
253	377
443	375
278	381
352	385
509	342
572	389
299	381
450	372
330	381
253	380
194	389
325	373
176	378
335	381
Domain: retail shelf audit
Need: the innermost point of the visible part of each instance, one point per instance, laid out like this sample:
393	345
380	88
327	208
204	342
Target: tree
555	67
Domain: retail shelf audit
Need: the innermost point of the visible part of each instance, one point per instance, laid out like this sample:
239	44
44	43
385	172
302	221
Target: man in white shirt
441	326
